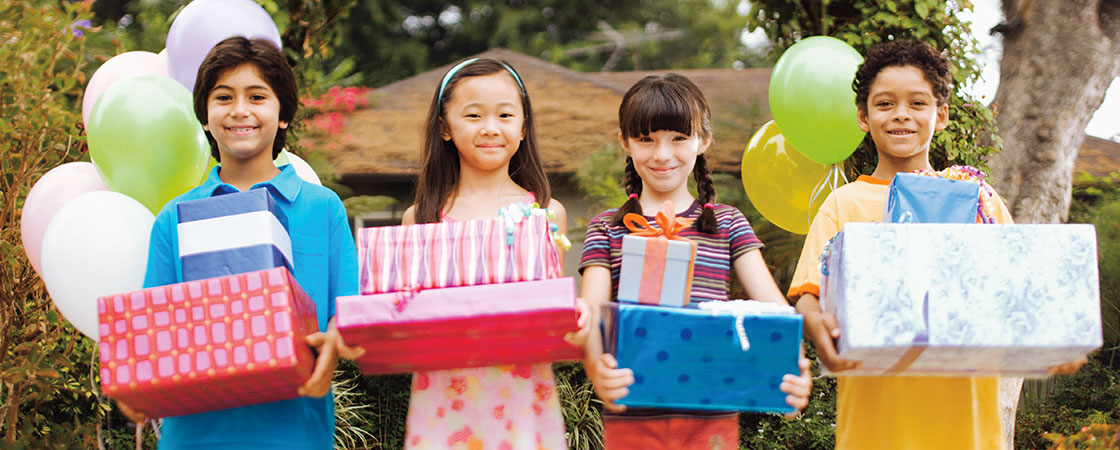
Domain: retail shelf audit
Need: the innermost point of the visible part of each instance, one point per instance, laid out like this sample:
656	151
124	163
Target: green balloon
812	100
145	141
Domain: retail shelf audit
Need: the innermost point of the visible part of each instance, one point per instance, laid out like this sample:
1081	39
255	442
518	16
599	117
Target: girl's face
902	113
485	120
664	159
243	114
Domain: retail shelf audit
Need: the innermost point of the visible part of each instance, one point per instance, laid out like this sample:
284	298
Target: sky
986	14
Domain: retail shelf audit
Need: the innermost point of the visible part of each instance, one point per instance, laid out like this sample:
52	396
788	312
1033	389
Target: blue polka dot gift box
233	233
725	359
962	299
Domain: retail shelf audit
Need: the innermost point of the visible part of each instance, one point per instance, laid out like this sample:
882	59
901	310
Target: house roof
576	113
1097	156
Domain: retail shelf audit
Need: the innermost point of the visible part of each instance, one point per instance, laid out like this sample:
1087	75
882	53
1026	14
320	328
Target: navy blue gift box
685	358
231	234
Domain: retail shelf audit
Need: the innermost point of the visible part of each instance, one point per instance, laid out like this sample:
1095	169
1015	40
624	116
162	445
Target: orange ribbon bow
667	222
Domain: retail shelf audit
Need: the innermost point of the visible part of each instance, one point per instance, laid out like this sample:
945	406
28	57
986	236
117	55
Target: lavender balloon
202	24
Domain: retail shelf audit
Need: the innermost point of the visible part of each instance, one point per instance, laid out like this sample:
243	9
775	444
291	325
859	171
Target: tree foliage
970	136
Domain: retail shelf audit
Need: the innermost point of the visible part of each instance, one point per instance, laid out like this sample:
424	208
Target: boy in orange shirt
902	93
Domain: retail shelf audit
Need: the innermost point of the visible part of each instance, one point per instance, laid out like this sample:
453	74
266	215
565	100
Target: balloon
780	181
58	186
96	245
121	66
204	23
302	168
145	140
811	98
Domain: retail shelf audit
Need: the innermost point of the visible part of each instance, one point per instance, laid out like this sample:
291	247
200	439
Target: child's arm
756	278
823	331
610	382
560	218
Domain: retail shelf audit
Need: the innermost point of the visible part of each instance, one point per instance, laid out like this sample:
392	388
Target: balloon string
831	180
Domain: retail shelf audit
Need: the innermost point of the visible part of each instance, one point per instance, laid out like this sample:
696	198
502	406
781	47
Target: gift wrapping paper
450	254
963	299
232	233
207	345
686	358
469	326
656	271
913	198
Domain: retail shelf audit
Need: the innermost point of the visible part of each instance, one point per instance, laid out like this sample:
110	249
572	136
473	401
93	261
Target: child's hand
1069	368
610	382
798	388
824	331
579	338
135	416
329	346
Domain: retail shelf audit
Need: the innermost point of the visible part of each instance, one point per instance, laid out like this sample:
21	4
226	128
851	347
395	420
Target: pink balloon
121	66
58	186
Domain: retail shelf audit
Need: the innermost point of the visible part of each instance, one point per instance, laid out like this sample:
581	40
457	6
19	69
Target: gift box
232	233
963	299
687	358
450	254
470	326
656	262
913	198
207	345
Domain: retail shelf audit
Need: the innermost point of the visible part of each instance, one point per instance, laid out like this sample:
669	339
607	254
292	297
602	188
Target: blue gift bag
686	358
913	198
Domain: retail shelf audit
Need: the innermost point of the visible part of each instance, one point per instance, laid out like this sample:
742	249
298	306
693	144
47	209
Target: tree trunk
1058	59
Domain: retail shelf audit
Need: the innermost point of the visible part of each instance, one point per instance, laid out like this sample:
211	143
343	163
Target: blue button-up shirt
326	266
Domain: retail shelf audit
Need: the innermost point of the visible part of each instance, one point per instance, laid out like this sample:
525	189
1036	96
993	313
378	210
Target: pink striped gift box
450	254
470	326
207	345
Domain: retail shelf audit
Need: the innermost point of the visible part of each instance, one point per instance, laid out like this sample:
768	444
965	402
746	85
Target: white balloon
96	245
302	168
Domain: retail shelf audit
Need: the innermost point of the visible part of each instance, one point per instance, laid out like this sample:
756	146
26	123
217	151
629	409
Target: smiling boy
245	98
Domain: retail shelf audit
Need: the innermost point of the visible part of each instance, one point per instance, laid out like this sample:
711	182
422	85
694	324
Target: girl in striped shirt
665	128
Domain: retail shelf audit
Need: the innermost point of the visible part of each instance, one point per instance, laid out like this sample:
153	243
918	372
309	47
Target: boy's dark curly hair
918	54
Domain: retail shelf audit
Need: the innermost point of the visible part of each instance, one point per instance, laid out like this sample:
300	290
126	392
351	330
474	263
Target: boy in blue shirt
245	98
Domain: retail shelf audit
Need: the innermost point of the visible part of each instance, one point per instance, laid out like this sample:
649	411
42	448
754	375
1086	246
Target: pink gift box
450	254
206	345
471	326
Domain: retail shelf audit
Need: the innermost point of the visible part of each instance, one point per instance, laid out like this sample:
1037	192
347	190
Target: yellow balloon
780	182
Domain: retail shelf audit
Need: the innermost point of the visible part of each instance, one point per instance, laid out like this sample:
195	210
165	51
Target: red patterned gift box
450	254
470	326
208	344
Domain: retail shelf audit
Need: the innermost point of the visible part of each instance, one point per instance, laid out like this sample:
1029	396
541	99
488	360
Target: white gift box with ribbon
962	299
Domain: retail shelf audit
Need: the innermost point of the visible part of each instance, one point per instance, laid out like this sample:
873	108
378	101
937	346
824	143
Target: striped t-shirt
711	275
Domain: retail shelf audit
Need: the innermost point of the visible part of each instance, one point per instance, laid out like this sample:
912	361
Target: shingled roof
576	113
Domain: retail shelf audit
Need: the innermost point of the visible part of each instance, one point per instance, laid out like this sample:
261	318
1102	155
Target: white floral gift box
962	299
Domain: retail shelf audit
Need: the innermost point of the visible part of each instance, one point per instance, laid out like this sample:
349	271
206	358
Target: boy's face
902	113
243	115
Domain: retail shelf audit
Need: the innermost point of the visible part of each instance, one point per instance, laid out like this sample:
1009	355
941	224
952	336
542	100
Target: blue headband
451	73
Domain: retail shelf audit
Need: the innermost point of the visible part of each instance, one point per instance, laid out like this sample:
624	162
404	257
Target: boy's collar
285	184
873	180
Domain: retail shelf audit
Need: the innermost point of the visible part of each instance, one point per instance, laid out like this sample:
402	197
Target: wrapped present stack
945	292
460	294
720	356
231	335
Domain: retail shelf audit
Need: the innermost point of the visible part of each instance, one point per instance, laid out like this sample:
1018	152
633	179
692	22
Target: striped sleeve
740	235
597	243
